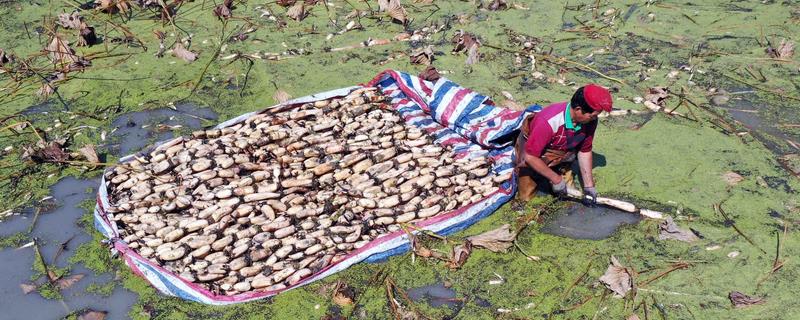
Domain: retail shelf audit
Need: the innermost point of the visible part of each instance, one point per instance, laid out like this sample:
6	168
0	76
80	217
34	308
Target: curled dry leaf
286	3
732	178
89	153
497	240
422	56
27	287
86	36
344	295
112	6
430	74
70	20
657	95
92	315
394	9
463	41
52	152
5	57
495	5
785	50
472	54
281	96
181	52
633	317
669	230
617	278
459	255
224	11
67	282
741	300
297	12
60	51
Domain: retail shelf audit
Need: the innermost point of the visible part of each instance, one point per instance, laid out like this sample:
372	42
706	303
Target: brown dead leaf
495	5
5	57
86	36
60	52
669	230
181	52
617	278
394	9
52	152
112	6
297	12
459	255
344	295
422	56
225	10
70	20
89	153
464	41
430	74
741	300
497	240
472	54
65	283
732	178
93	315
657	95
784	50
633	317
281	96
286	3
28	287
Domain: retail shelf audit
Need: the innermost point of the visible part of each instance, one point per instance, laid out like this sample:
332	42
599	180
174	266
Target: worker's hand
589	196
560	188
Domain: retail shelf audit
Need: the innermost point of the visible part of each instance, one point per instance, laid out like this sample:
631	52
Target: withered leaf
181	52
67	282
732	178
394	9
617	278
344	295
657	95
28	287
459	255
70	20
669	230
286	3
495	5
60	52
430	74
497	240
5	57
281	96
297	12
92	315
86	36
422	56
224	11
112	6
472	54
52	152
633	317
89	153
785	49
463	41
741	300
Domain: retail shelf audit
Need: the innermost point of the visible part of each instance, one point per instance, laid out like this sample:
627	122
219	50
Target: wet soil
593	223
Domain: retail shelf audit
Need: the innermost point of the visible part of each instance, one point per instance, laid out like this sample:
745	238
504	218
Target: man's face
584	117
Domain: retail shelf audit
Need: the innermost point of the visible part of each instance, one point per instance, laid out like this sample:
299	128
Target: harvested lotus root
267	202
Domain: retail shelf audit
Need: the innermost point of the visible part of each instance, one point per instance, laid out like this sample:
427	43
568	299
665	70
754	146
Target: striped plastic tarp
457	117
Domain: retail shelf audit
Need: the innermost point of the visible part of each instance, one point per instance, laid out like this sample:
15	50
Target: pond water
578	221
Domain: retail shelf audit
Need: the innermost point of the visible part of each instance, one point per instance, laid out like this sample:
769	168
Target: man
551	138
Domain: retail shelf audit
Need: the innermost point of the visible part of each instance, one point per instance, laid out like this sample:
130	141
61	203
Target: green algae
674	163
14	240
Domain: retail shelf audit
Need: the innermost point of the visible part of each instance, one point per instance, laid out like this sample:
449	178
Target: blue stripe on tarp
178	292
473	104
478	217
439	95
383	256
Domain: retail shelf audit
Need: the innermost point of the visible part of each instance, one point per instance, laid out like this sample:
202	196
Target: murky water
135	130
58	223
594	223
54	227
436	295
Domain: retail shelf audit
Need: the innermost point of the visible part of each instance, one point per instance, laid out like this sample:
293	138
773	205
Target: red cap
597	97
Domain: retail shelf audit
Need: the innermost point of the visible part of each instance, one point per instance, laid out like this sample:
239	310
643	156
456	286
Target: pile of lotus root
267	202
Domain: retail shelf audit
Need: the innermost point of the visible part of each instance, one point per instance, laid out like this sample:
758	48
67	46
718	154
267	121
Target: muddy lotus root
274	199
